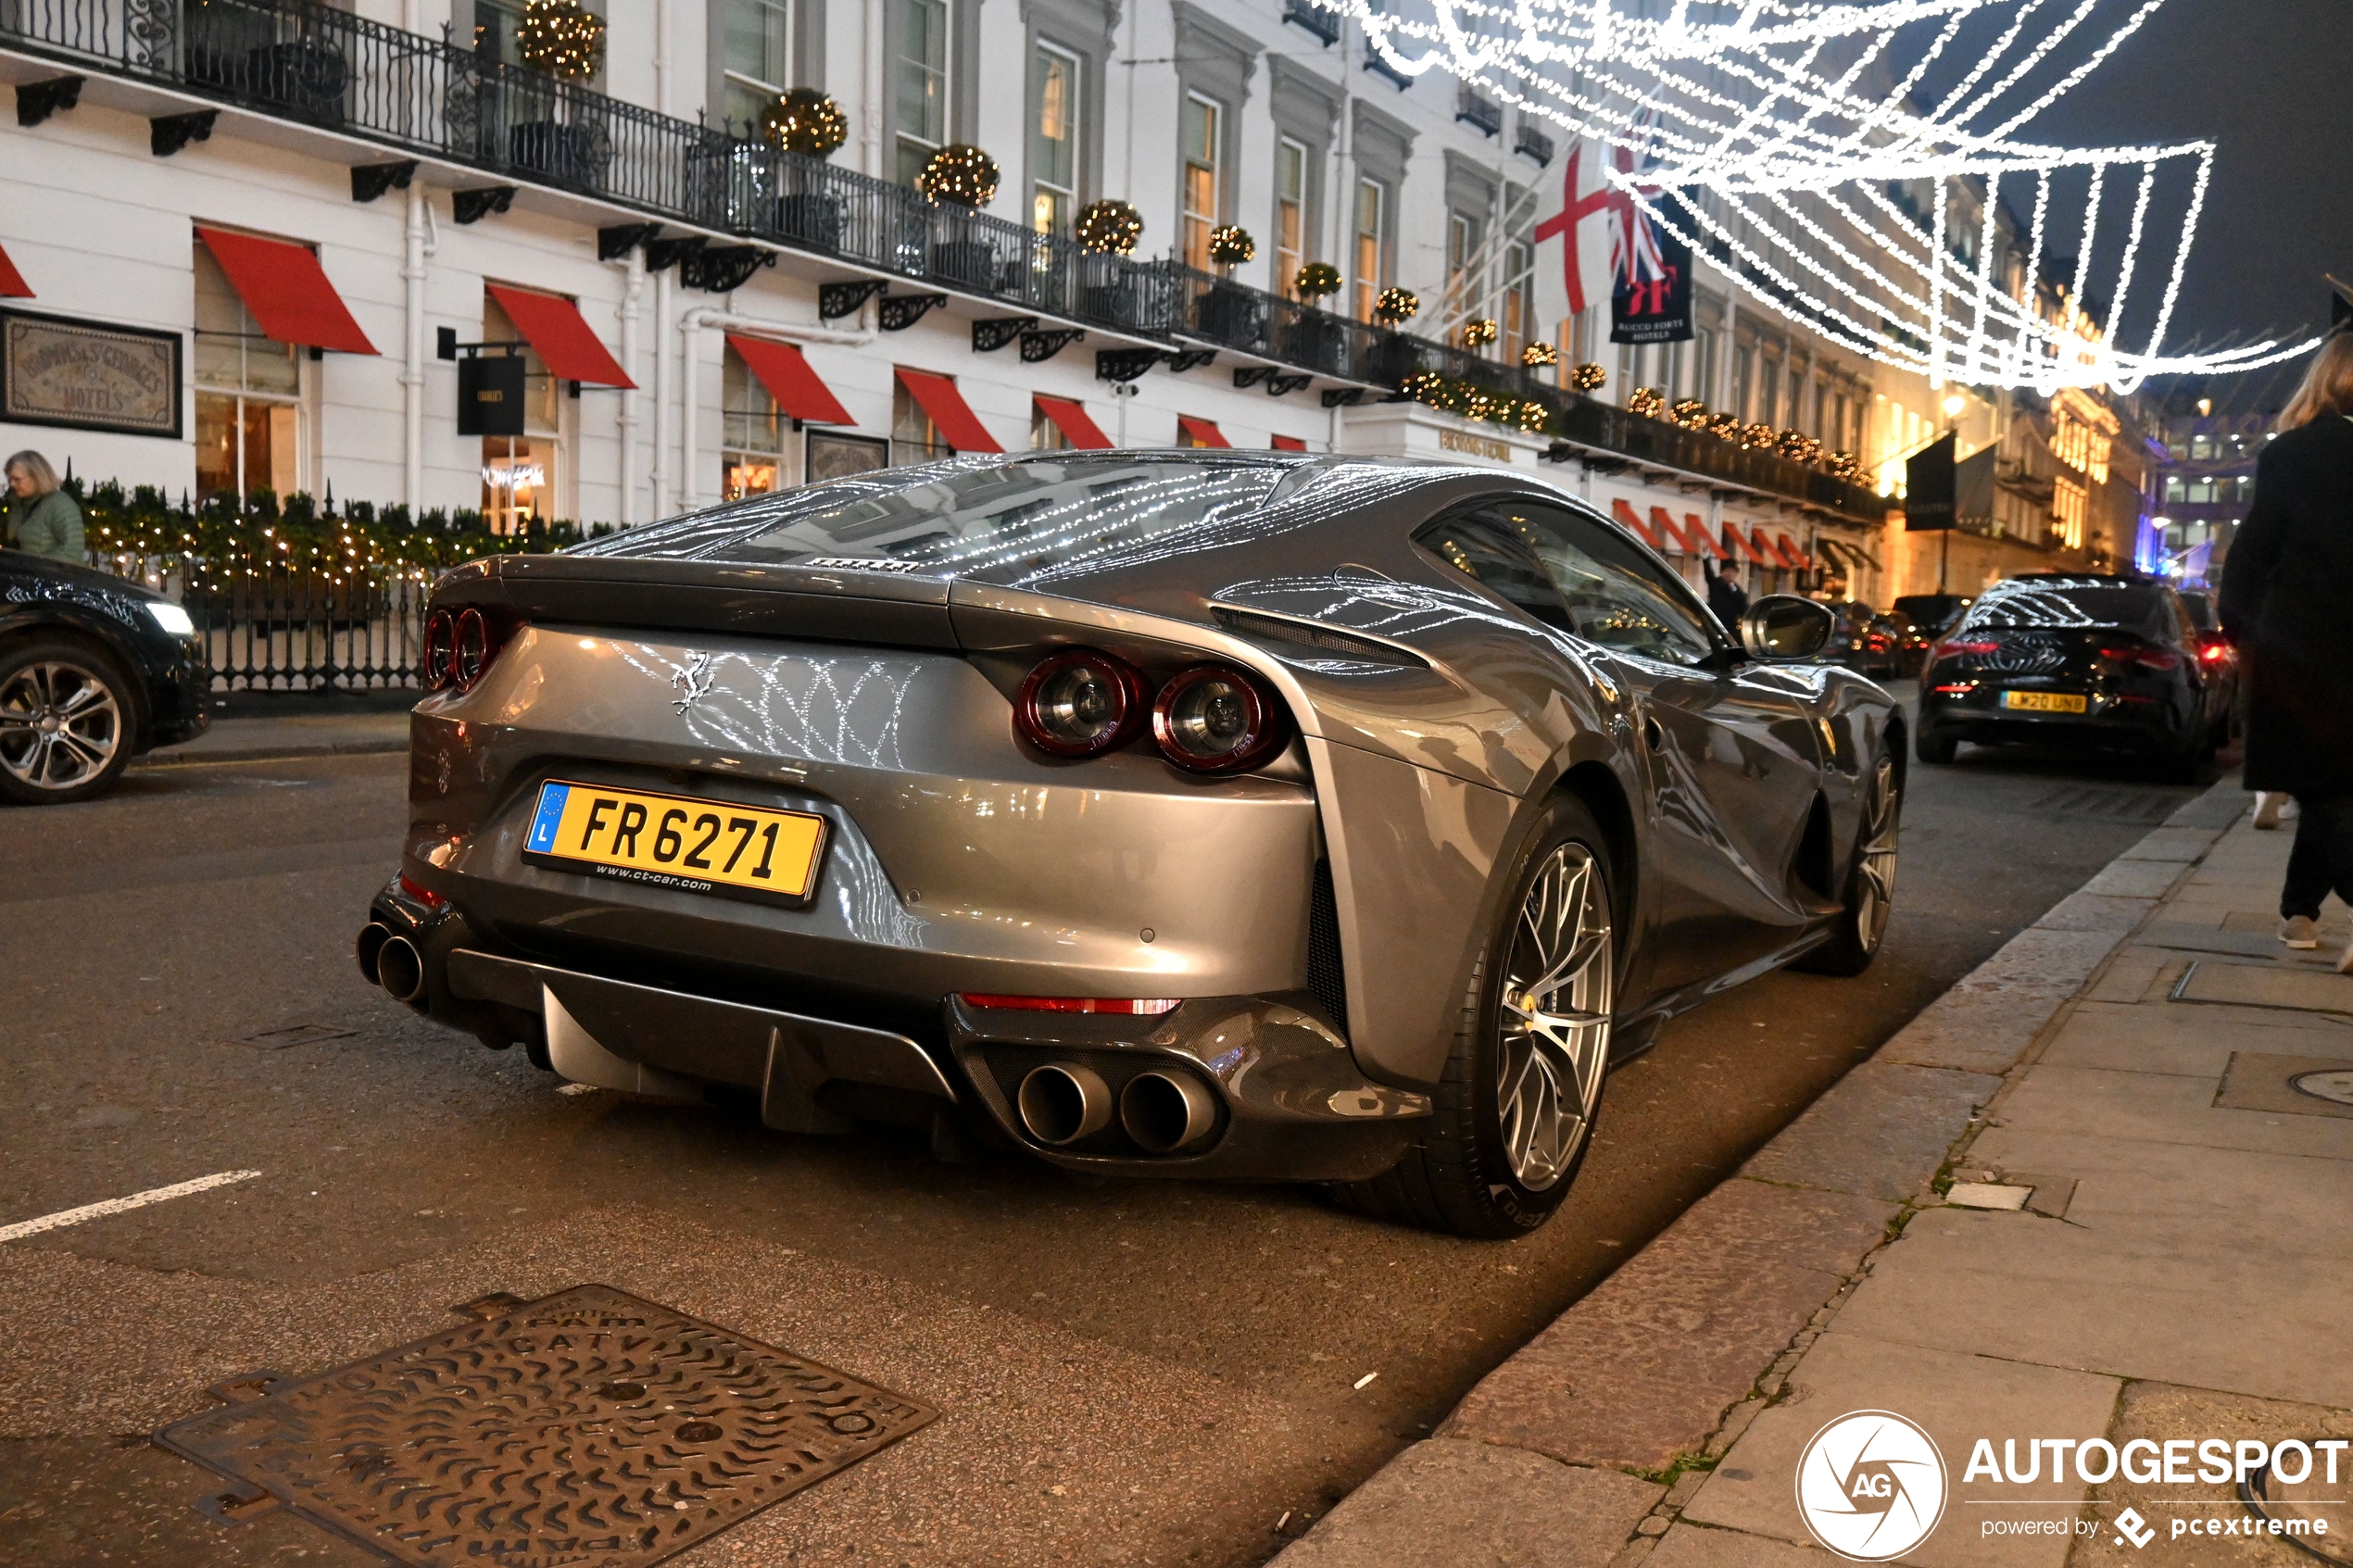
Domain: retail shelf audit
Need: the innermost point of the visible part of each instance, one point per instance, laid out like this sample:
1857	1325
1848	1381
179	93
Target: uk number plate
2045	702
676	841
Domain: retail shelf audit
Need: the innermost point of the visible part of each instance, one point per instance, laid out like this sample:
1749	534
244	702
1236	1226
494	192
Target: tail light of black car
1209	718
459	647
2147	656
1960	648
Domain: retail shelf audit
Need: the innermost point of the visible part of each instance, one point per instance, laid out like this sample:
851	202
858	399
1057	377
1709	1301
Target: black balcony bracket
615	243
1250	375
1282	386
675	252
1183	359
36	101
370	181
1038	348
899	313
1123	365
168	133
1601	462
1342	397
447	346
993	332
836	300
472	207
721	269
1559	452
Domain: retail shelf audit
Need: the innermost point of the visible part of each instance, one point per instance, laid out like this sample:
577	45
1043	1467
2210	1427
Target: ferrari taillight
1080	703
1215	718
459	648
438	658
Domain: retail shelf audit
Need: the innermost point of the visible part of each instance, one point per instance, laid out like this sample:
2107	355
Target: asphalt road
1129	1373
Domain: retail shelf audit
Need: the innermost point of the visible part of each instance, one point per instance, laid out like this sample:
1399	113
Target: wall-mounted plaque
87	375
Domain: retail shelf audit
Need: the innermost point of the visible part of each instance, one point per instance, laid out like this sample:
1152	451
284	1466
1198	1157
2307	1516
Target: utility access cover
587	1428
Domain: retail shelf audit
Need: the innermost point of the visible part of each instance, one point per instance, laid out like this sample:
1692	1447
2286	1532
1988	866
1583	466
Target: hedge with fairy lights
1109	228
1475	402
561	37
958	175
805	121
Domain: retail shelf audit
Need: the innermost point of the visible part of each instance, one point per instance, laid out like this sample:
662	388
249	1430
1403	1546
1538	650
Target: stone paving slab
2096	911
1955	1397
2299	990
1693	1546
2162	1108
1644	1368
1477	1505
2183	844
1880	1132
2135	879
2177	1045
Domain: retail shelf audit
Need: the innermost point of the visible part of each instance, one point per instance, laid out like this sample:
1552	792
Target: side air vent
1304	634
1325	975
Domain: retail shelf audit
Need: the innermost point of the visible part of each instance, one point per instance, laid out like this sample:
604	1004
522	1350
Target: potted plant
1107	230
1315	336
1394	356
959	181
809	125
565	39
1226	311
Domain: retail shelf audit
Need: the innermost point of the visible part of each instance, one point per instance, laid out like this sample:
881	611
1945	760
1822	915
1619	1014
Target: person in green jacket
42	520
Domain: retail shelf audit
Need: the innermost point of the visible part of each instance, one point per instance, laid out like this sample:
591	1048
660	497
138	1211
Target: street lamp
1955	405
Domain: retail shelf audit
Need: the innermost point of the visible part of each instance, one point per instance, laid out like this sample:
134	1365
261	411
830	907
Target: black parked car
2096	661
1926	616
94	671
2215	654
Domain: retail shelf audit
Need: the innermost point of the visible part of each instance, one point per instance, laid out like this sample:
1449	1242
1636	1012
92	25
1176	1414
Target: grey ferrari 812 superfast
1183	813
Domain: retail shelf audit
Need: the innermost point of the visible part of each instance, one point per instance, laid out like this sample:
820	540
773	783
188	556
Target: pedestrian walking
42	520
2281	603
1724	598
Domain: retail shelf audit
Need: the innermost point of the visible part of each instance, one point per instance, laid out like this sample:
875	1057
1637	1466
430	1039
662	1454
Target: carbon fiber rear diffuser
588	1428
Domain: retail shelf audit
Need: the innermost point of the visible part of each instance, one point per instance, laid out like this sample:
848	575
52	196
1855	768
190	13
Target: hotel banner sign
88	375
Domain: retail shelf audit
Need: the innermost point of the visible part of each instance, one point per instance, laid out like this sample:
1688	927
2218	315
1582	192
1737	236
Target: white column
690	373
412	367
632	292
661	475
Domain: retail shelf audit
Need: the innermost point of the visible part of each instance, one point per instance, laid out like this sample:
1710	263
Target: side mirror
1782	626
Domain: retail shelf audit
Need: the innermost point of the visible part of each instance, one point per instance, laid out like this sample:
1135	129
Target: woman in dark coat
2283	604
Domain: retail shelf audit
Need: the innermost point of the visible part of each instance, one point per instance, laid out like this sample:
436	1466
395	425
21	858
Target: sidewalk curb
169	758
1657	1371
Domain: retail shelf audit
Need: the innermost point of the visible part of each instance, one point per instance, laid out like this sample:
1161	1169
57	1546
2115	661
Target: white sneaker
2267	808
2298	931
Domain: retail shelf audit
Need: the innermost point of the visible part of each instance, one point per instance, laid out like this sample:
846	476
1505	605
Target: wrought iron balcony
1483	114
1323	24
1533	144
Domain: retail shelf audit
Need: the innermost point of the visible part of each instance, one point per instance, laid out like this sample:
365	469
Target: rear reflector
1964	687
420	893
1147	1006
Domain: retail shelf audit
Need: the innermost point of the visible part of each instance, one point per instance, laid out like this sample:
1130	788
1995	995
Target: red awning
1741	545
1633	519
12	284
958	425
1795	556
1200	432
1663	521
286	290
552	325
785	372
1766	553
1290	443
1071	419
1702	543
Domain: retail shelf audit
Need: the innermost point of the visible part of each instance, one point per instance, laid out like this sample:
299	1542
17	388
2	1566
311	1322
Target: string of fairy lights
1798	150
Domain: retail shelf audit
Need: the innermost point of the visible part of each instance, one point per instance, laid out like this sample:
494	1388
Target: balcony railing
1533	144
1480	113
306	61
1321	23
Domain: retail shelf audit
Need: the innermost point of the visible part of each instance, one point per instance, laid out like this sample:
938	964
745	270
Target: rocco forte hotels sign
88	375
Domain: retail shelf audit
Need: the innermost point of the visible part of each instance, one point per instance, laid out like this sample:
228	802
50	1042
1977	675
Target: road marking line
64	1217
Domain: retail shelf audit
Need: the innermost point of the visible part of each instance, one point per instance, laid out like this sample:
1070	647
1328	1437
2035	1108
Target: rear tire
1522	1085
1938	749
1870	882
67	723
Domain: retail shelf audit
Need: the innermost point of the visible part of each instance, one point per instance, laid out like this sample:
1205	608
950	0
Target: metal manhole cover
293	1034
2116	805
588	1428
2334	1085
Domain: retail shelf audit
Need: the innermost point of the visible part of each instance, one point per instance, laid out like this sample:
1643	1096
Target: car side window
1618	599
1500	565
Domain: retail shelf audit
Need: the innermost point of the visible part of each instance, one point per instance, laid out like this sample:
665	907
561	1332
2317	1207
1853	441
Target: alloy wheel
1556	1018
60	725
1875	868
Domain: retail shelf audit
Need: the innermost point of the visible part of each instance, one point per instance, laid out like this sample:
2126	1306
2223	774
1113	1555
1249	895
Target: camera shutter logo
1870	1486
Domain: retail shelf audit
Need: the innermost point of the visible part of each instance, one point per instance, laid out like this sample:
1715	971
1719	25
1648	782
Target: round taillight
1080	704
473	652
1214	719
437	662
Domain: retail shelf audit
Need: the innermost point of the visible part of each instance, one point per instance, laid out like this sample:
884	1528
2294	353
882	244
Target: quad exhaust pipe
1164	1112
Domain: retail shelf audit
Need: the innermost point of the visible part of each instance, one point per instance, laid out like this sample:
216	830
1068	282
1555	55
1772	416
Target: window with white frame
754	434
1518	307
913	438
250	420
1458	255
1053	141
1201	138
757	57
919	83
1290	215
1367	254
520	473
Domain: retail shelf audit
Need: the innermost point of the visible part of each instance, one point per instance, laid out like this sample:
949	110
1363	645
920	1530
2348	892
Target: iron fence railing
275	629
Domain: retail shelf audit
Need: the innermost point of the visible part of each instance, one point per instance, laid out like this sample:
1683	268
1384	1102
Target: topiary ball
1395	307
805	121
959	175
1108	228
1231	244
1479	332
1316	280
1588	377
1536	356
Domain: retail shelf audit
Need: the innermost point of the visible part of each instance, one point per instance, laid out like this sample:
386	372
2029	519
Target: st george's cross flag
1595	235
1572	236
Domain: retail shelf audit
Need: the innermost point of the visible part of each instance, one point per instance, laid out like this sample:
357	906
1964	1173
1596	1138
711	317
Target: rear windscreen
1033	514
2074	604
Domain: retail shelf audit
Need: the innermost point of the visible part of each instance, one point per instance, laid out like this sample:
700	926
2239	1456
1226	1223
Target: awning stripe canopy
1740	545
785	372
1290	443
958	424
1663	522
286	290
1702	541
12	284
553	327
1765	551
1795	556
1625	514
1071	419
1201	432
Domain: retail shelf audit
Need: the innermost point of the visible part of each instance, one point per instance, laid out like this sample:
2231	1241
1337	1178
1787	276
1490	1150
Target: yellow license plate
676	841
2045	702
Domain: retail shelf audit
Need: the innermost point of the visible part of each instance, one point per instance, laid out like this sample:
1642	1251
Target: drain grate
2114	805
292	1035
588	1429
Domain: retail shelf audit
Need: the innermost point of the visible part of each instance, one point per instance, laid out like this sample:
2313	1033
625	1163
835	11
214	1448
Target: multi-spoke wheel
1514	1114
1870	883
65	724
